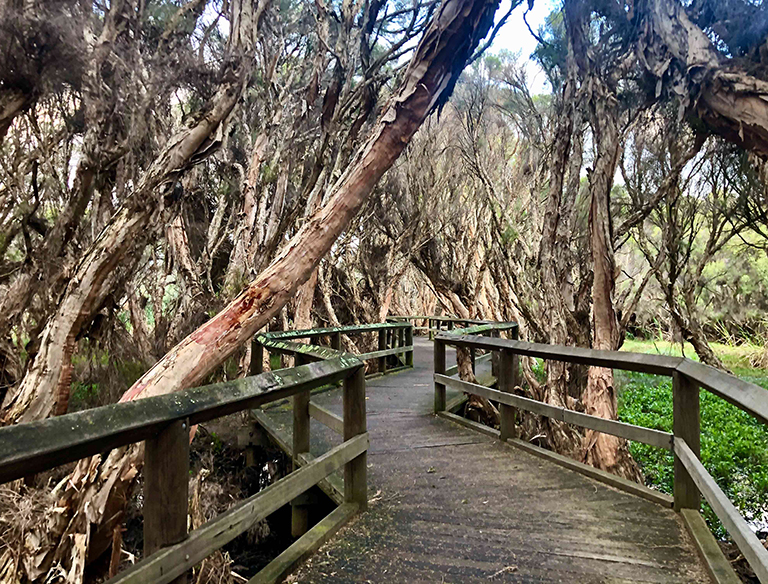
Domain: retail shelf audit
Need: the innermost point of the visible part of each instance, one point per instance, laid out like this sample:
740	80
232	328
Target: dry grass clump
211	496
21	508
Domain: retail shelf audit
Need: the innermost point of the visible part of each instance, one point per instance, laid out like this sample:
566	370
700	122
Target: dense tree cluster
177	174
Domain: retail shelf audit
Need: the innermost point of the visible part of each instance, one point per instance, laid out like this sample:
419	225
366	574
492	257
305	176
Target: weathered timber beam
747	396
734	523
628	431
363	328
658	364
327	418
168	563
30	448
384	353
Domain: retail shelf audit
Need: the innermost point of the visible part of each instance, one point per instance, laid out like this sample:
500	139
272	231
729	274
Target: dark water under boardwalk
450	505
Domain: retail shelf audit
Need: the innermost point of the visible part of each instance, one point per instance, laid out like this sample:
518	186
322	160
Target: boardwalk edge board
718	566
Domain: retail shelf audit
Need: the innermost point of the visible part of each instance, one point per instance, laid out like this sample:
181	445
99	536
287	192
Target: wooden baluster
166	489
257	357
409	343
439	354
429	329
472	356
336	341
509	371
299	508
382	346
686	424
356	470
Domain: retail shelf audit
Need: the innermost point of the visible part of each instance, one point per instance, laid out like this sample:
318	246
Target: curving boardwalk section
448	504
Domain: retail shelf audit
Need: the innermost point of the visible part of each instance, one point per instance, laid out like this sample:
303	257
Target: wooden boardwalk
448	504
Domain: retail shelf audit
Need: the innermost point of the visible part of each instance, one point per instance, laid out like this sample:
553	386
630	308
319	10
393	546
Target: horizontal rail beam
327	418
747	396
628	431
384	353
645	363
26	449
312	352
347	330
748	544
173	561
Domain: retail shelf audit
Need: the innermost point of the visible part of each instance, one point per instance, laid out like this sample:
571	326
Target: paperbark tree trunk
602	450
91	499
730	101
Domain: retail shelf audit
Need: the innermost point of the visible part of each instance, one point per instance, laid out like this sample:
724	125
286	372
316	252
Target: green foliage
85	395
734	445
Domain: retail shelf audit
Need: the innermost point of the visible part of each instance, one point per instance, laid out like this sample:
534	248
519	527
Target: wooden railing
434	324
164	422
691	479
393	339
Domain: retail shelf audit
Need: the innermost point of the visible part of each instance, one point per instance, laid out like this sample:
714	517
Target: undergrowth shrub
734	445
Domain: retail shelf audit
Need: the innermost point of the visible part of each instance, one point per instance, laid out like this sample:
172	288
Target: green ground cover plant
734	445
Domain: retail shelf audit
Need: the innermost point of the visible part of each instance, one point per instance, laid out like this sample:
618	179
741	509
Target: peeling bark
732	102
90	501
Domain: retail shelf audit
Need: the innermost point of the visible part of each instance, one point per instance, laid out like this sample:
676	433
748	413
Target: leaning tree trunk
48	377
90	501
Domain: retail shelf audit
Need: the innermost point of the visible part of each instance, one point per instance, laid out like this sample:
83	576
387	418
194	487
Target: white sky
516	37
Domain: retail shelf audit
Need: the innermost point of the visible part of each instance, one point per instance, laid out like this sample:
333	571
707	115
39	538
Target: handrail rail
691	479
747	396
164	422
284	342
26	449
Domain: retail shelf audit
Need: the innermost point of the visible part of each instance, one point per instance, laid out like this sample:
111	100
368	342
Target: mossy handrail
163	423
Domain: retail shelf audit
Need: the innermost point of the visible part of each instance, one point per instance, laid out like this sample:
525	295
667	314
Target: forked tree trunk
91	499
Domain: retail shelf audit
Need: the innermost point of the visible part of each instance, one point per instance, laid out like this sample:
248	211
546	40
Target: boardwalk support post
409	343
257	357
299	508
356	470
336	341
507	376
685	406
166	489
439	351
382	347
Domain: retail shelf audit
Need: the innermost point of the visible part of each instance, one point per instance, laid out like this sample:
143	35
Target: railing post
429	329
166	489
299	509
508	372
409	343
382	346
257	357
336	341
439	353
356	470
685	406
472	356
